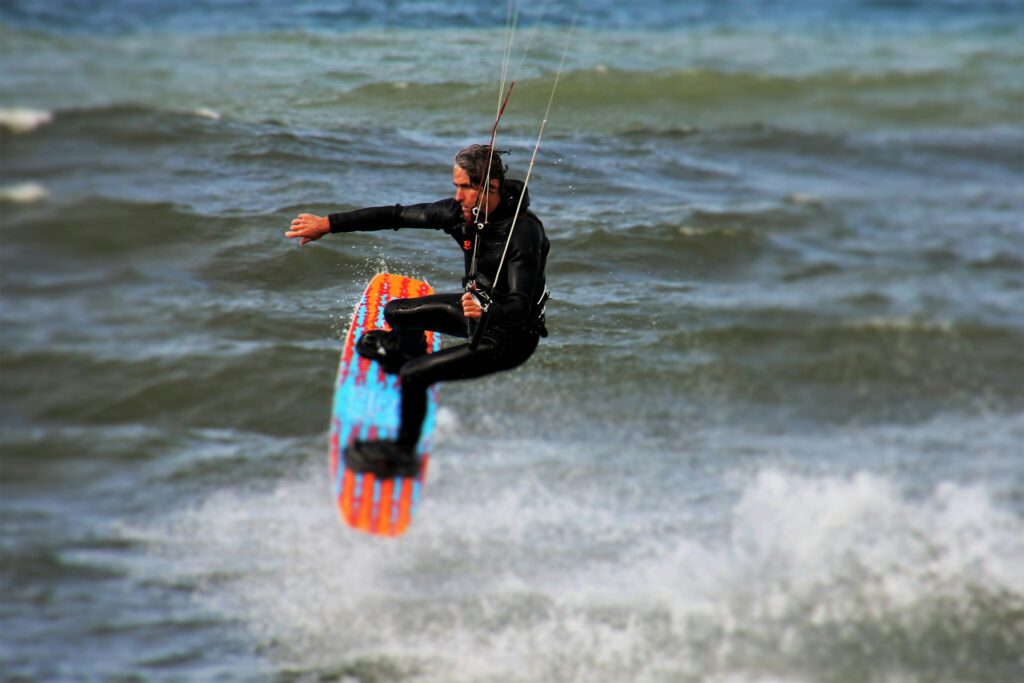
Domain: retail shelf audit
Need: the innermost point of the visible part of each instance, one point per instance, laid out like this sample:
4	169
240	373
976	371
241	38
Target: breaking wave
814	578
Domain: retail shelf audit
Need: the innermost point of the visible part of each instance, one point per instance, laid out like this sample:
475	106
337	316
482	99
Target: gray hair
474	159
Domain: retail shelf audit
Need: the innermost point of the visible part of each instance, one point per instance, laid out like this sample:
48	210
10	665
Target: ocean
776	434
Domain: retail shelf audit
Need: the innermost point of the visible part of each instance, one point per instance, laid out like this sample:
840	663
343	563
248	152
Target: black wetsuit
514	319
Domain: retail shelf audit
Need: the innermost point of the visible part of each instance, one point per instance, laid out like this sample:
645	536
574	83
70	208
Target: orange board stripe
383	521
348	484
365	516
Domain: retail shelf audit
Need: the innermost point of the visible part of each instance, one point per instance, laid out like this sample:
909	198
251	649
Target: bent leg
436	312
408	319
454	363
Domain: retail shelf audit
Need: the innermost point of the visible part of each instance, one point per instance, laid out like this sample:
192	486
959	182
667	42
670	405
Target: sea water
775	435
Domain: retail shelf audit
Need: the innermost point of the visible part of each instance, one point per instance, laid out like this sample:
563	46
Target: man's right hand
471	307
308	227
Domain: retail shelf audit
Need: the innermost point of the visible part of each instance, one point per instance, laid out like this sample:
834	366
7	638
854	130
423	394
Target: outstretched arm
438	216
308	227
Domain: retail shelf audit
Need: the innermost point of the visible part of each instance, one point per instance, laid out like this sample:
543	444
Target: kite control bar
483	299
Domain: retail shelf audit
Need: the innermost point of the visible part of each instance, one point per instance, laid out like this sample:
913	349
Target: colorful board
366	406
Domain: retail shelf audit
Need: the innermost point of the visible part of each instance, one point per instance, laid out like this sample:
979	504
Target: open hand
308	227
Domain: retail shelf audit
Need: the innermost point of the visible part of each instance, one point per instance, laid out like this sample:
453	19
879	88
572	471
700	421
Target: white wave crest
22	120
24	193
207	113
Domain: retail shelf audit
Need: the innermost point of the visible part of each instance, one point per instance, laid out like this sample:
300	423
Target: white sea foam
521	585
447	422
23	120
23	193
207	113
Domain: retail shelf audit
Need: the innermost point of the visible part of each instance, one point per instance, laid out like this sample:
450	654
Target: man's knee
412	371
393	311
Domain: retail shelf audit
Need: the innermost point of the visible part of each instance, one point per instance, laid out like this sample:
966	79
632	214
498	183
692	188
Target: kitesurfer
504	295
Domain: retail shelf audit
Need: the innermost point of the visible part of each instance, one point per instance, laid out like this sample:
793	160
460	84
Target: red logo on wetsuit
467	245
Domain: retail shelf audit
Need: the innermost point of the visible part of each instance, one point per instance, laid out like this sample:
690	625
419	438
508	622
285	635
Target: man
480	219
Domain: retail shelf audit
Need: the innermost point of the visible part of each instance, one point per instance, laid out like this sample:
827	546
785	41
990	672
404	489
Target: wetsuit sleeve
441	215
523	271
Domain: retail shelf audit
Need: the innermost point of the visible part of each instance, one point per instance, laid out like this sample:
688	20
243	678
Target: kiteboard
366	406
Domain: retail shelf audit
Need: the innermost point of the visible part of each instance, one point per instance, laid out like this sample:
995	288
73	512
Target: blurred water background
774	436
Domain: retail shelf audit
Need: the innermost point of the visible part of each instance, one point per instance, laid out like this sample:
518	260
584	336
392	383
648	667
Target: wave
344	17
689	153
23	193
22	120
186	378
131	122
700	240
999	260
888	369
812	578
624	101
106	229
703	97
618	82
772	366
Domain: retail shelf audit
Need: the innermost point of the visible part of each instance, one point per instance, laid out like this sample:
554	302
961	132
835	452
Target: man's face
468	195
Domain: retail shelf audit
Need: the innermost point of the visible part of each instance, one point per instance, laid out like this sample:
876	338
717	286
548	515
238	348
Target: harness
537	320
480	288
